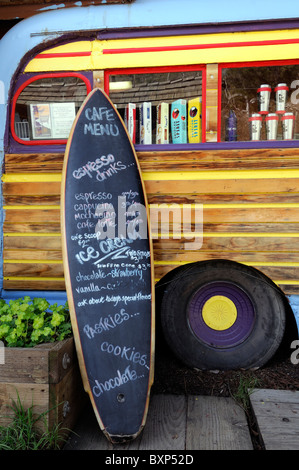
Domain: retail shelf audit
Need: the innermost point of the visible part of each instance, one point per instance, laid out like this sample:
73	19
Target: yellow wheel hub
219	312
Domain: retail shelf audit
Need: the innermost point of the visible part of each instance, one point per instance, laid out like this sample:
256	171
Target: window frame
228	65
19	91
166	69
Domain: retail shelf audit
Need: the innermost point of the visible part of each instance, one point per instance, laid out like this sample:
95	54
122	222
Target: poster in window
52	120
41	121
62	118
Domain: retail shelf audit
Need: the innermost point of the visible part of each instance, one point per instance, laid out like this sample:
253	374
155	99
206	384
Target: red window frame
177	68
236	65
19	91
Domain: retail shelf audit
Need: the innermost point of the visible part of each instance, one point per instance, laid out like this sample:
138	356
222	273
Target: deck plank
215	423
165	428
175	422
277	415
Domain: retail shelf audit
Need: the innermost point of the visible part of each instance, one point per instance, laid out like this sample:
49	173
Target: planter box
46	376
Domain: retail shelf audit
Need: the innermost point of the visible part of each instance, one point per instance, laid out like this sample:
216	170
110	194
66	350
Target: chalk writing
93	167
101	129
125	352
116	299
92	287
93	196
109	260
121	378
99	113
106	323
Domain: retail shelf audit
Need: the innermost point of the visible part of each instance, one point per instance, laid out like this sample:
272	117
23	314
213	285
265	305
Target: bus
210	98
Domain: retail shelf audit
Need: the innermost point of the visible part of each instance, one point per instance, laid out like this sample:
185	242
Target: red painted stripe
133	50
54	55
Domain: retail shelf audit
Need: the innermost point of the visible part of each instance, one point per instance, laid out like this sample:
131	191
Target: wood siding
249	198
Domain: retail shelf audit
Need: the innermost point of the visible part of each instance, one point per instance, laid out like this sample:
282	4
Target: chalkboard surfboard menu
107	258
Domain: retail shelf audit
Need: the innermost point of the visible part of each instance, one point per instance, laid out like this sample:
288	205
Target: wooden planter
47	377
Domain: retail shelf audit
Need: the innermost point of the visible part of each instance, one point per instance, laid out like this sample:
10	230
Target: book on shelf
162	128
145	122
179	121
194	120
130	120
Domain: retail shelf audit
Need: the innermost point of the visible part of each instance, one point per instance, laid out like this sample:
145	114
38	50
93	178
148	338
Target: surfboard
107	256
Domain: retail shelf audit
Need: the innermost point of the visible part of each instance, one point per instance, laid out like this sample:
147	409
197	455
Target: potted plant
38	364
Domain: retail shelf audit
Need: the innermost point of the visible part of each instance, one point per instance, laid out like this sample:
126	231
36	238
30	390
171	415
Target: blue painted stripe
52	297
294	303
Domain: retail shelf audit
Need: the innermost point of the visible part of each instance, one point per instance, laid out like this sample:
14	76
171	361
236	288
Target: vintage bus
220	159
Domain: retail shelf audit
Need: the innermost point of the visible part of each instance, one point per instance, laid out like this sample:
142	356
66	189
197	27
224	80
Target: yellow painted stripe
258	263
183	235
31	234
188	234
189	57
78	46
251	234
180	206
224	206
168	176
197	39
39	278
31	178
293	283
98	60
251	205
44	207
33	278
219	175
34	261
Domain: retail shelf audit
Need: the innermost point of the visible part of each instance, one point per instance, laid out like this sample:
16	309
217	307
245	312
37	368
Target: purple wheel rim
235	334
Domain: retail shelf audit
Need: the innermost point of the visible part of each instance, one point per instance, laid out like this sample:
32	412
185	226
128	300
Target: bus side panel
250	213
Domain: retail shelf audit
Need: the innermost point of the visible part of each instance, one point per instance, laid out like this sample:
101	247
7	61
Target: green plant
24	432
244	390
26	323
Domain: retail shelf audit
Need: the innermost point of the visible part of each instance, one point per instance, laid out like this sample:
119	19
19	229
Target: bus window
44	108
160	107
259	102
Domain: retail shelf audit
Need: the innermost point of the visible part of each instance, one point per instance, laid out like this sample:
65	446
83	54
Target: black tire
221	315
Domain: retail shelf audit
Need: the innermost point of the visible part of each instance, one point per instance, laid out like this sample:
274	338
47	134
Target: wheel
221	315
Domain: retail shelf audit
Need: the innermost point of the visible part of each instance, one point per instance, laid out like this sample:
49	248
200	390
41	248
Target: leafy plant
244	390
26	322
24	433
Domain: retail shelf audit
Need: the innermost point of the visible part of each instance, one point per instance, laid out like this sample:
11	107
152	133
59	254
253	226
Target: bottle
231	127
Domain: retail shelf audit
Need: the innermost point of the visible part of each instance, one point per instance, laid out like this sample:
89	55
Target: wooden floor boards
176	423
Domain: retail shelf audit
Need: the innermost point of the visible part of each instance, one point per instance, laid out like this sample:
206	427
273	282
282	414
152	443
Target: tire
221	315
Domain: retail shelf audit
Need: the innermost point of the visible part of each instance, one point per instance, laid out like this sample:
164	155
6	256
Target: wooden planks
277	416
165	429
216	424
211	102
205	423
47	376
250	208
167	160
177	422
31	246
249	200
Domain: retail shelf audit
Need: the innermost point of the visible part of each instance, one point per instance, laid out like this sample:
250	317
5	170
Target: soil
173	377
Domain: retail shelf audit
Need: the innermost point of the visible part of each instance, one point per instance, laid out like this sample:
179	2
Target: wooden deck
277	416
177	422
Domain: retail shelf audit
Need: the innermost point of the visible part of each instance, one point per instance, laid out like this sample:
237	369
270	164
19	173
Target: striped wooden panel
250	208
31	243
249	198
